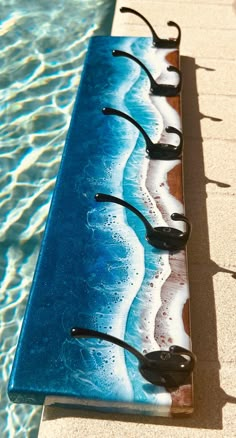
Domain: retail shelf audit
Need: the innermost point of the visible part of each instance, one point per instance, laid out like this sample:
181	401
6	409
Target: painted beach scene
96	268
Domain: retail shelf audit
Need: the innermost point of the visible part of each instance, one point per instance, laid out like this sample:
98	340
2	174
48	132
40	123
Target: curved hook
167	368
166	238
160	151
158	42
78	332
176	349
167	90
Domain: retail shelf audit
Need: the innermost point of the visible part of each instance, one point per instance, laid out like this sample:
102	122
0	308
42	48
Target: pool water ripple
42	49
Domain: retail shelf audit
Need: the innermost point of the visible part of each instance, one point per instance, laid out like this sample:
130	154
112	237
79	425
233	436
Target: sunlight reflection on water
42	49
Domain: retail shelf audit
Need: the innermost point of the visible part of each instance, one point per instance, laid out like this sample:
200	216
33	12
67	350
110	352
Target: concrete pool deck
208	63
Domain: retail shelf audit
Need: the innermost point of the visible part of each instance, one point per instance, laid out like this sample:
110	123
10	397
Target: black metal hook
160	151
164	368
167	90
158	42
166	238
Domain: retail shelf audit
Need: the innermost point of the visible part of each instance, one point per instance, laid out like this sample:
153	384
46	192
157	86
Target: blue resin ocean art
95	269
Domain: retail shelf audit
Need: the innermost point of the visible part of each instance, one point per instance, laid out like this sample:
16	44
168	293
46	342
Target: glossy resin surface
95	269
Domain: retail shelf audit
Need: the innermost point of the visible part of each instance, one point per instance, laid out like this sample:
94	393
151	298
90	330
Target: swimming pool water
42	49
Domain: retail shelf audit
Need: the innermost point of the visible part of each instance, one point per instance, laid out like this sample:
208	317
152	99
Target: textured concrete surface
208	52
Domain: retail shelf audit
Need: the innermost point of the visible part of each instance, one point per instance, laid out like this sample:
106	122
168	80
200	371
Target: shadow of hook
218	183
204	68
215	268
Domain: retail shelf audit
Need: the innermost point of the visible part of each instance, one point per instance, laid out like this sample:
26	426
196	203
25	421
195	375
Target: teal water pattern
95	261
95	269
